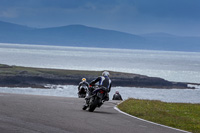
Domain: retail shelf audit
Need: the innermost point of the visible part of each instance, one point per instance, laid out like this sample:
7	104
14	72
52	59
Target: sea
170	65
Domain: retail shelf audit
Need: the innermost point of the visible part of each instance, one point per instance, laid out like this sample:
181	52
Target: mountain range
84	36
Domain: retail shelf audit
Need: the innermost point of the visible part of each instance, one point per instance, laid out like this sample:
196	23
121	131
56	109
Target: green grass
6	70
14	70
183	116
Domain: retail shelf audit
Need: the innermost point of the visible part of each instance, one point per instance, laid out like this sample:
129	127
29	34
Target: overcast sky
179	17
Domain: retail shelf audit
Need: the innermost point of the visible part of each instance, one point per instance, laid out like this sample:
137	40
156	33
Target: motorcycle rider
117	96
103	81
82	83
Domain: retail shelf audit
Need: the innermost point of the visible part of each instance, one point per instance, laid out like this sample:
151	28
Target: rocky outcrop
36	77
148	82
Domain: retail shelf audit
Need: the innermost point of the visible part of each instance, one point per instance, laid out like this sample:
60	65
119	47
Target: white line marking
149	121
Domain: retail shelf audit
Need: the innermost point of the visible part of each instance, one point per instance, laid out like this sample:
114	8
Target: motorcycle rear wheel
84	107
93	105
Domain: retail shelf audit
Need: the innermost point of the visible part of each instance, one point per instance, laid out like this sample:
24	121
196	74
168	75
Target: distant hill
84	36
5	26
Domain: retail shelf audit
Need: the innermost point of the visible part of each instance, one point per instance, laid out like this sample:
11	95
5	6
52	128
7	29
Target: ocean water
166	95
172	66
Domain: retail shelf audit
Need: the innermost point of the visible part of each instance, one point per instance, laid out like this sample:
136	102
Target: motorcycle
82	92
96	99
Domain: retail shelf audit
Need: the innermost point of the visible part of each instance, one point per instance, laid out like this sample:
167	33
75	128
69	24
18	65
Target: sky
178	17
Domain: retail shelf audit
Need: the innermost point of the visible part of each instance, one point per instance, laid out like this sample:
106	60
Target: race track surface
48	114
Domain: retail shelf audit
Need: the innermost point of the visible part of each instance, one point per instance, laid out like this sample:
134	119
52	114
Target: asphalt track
47	114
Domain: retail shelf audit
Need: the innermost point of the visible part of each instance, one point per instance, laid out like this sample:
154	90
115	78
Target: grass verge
183	116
